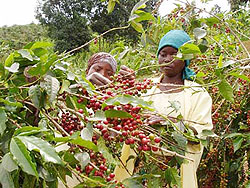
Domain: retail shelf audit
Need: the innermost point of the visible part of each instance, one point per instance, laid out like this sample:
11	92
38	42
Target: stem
85	177
60	177
178	130
59	128
68	54
156	159
161	148
15	123
166	141
124	166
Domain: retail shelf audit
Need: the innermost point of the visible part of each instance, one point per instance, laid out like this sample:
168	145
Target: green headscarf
175	39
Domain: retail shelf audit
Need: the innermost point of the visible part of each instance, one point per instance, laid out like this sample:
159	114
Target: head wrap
95	58
175	39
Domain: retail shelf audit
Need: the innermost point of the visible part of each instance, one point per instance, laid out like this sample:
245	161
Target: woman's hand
98	79
127	72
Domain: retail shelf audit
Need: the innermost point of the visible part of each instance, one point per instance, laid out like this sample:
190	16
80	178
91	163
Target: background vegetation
221	63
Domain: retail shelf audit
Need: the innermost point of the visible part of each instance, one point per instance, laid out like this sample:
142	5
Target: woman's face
103	67
175	68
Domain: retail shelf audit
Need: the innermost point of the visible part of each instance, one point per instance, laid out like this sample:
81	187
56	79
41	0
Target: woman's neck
173	79
173	84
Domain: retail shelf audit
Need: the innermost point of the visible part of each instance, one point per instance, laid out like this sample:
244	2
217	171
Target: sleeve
201	108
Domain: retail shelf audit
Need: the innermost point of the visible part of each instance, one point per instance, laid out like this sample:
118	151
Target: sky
21	12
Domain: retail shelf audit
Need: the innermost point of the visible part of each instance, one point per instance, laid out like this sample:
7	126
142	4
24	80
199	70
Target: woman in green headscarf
194	101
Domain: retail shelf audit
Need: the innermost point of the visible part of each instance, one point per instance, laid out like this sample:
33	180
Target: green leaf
83	158
25	54
248	184
180	139
211	21
28	130
87	85
237	143
8	163
117	113
172	177
175	105
226	90
52	86
69	158
39	52
105	151
65	86
13	68
139	5
41	45
208	133
111	6
130	183
35	70
133	17
200	74
70	102
2	71
86	134
229	62
242	76
233	135
127	99
144	16
220	63
99	116
85	143
45	67
9	61
47	152
199	33
5	178
203	45
70	76
29	181
11	102
203	48
3	118
22	156
35	95
189	49
137	26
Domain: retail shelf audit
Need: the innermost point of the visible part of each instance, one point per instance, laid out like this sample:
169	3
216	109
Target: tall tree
67	21
70	22
102	21
236	3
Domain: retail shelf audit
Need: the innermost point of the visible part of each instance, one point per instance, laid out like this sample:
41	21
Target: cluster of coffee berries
130	86
69	122
97	167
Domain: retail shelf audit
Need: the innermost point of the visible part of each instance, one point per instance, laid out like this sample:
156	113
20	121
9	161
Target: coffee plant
55	123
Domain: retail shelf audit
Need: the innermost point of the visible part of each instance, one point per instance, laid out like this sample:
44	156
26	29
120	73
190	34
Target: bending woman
102	66
195	104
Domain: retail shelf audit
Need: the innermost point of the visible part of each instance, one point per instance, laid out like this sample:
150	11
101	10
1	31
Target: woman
102	66
195	104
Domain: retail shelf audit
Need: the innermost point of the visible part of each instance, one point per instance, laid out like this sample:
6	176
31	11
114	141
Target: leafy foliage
49	105
70	22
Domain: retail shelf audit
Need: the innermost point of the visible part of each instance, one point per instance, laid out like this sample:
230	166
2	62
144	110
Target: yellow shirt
195	105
